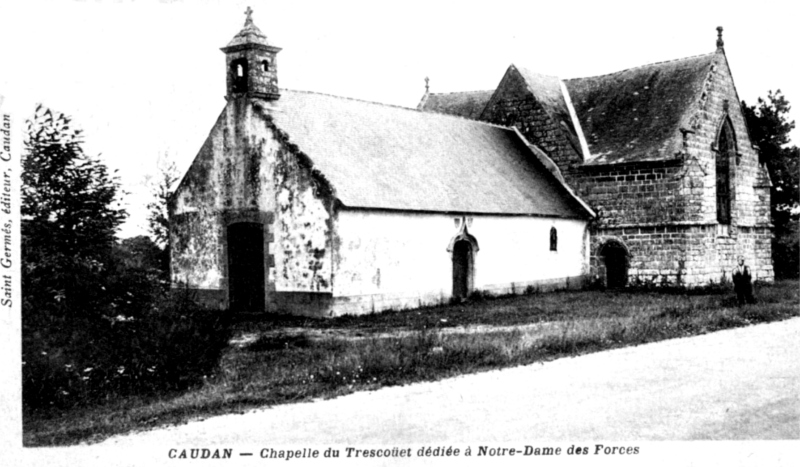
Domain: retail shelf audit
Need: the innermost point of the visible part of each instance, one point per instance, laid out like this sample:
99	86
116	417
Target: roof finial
427	87
720	43
249	20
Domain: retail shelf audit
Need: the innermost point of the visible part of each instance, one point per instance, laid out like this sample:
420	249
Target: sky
146	79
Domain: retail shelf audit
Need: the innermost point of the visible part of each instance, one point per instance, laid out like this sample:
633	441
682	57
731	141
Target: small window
553	239
265	65
239	76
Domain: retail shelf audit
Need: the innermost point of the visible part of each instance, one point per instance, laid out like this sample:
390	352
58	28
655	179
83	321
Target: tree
97	319
161	188
70	213
769	128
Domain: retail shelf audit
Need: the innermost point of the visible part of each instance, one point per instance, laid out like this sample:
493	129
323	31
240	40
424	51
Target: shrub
78	361
481	296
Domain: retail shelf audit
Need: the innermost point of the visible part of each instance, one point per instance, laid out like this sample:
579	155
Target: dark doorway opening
462	268
246	267
615	258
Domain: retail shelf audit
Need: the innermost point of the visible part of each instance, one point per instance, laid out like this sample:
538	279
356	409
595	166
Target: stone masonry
663	212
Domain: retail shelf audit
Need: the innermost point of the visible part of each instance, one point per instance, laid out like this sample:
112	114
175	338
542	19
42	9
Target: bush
120	330
786	249
97	315
80	361
481	296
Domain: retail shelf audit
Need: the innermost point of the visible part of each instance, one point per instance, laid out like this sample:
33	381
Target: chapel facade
307	203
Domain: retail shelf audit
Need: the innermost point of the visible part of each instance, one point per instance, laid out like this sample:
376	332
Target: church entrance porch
246	291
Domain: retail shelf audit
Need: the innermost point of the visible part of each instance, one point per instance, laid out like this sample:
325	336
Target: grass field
289	359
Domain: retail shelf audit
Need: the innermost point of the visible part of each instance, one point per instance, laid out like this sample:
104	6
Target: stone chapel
660	152
307	203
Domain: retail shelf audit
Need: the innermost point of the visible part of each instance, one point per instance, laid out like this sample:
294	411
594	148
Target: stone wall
248	171
719	101
715	249
665	213
712	258
304	206
259	82
224	177
685	255
514	105
633	194
656	255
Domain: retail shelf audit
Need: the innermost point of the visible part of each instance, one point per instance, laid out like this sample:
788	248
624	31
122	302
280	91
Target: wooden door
462	268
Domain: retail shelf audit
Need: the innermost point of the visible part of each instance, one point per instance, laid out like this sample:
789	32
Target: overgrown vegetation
98	320
301	360
73	361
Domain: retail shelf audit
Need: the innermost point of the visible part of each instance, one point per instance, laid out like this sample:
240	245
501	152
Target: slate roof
546	89
382	156
635	115
249	35
468	104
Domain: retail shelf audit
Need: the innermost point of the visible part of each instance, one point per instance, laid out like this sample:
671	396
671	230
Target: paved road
731	385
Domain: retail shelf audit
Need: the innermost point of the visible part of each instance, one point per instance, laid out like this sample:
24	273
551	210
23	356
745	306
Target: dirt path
246	338
736	384
731	385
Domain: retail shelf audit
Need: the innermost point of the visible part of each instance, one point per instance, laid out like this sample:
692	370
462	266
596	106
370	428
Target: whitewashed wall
400	259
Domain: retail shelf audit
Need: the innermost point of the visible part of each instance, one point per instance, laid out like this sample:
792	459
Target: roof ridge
535	72
640	66
350	98
459	117
459	92
411	109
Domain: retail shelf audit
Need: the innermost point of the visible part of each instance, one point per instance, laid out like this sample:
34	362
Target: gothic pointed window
553	239
726	151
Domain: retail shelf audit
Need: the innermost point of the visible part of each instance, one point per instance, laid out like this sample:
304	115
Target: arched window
239	76
553	239
726	150
265	65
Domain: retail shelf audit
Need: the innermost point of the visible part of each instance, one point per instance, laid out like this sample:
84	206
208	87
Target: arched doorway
614	256
462	268
246	267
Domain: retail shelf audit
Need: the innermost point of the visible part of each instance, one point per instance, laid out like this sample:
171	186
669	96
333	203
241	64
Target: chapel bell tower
251	63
